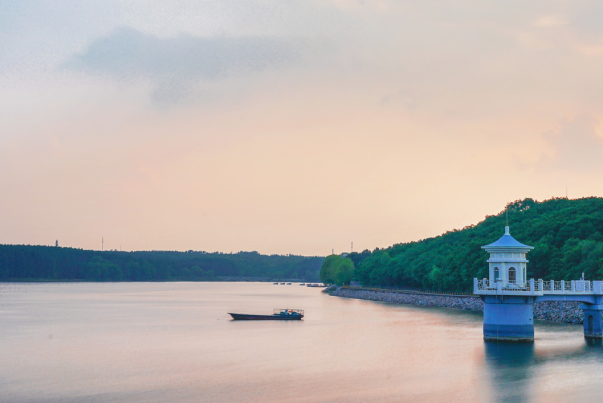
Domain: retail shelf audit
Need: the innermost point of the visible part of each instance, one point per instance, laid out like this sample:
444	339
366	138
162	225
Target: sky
286	126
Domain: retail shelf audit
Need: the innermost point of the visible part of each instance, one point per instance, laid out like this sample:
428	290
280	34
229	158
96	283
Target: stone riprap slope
568	312
559	311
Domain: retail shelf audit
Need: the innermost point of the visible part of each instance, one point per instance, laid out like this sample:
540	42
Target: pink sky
290	127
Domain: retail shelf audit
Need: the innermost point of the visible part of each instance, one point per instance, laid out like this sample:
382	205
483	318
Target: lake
159	342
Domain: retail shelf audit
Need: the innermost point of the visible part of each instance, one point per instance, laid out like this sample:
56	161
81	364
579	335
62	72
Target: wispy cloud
551	21
577	146
176	64
404	97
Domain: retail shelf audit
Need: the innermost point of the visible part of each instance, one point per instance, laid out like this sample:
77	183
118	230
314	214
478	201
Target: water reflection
512	367
594	342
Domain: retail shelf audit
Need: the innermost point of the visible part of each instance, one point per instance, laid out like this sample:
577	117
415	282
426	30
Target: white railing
547	287
485	284
574	286
516	287
482	285
583	286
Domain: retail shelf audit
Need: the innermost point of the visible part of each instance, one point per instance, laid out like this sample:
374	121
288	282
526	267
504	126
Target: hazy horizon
290	127
119	249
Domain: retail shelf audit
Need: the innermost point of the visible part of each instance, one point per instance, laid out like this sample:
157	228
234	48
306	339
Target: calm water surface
158	342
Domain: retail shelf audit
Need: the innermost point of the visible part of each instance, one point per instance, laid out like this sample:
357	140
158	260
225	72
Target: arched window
512	275
496	273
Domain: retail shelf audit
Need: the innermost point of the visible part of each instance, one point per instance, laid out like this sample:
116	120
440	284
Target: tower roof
507	241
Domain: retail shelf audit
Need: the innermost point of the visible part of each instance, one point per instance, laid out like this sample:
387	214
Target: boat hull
244	316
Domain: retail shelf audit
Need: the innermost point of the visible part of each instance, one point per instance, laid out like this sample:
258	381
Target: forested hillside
567	236
24	262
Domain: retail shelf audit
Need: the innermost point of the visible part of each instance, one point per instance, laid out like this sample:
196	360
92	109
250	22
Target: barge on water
279	314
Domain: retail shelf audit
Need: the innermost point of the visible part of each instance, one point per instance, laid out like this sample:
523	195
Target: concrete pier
593	323
509	318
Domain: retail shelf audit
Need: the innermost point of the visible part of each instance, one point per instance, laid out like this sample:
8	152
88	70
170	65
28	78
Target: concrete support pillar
562	285
508	318
593	323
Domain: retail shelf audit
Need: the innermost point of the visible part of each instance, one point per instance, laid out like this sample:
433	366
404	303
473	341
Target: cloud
176	64
577	146
405	97
550	21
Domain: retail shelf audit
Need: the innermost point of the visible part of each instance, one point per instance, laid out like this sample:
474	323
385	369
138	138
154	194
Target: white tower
508	260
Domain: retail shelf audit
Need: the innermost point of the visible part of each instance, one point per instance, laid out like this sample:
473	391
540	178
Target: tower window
512	275
496	273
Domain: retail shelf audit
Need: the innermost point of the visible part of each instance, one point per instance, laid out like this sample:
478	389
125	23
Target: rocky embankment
568	312
559	311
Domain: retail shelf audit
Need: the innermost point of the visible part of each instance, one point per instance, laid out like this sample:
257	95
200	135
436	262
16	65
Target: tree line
567	236
32	262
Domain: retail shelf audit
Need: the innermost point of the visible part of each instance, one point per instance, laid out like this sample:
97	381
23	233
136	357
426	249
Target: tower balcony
537	287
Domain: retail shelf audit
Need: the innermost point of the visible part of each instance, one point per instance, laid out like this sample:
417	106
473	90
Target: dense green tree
336	270
344	272
358	258
327	271
98	269
311	276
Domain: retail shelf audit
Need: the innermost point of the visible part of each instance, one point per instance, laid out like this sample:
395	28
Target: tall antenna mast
352	248
103	243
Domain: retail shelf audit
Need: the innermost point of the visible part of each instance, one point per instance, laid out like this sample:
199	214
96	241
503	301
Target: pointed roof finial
506	241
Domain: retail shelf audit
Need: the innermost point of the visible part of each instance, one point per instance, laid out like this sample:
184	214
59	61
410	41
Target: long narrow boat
279	314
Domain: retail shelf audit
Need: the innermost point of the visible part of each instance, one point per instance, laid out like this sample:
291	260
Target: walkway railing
546	287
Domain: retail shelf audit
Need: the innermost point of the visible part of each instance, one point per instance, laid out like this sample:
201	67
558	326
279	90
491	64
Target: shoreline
556	311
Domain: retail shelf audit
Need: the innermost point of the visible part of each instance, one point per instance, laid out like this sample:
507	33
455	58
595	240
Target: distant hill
31	263
567	236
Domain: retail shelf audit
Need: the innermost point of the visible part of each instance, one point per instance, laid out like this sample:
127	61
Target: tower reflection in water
512	366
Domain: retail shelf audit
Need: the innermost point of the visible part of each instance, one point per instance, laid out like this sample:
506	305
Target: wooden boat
278	314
